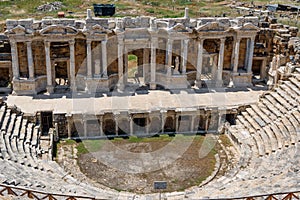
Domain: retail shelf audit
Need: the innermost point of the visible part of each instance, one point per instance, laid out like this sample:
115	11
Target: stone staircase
267	136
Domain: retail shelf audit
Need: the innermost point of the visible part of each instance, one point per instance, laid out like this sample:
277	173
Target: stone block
94	21
11	24
252	20
145	22
203	21
224	21
27	23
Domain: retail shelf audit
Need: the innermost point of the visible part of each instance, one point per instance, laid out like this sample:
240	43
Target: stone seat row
268	133
275	119
19	139
265	175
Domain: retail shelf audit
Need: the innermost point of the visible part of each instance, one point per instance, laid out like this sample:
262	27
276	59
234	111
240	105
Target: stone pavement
154	100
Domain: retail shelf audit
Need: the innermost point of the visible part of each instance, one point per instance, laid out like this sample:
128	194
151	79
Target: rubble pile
48	7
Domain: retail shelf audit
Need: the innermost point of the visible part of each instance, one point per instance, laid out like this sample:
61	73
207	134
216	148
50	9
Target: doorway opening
46	121
133	72
62	82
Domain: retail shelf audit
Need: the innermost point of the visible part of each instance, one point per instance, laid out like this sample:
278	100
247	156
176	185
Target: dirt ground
190	169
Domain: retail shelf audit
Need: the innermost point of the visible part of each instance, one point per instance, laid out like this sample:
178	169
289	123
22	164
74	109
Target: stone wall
38	52
23	63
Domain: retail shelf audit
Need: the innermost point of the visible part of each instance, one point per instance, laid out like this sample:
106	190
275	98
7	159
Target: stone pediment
96	29
211	26
248	27
58	30
178	28
19	30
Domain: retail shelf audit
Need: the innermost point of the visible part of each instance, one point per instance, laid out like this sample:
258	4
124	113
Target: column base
50	89
219	83
152	86
97	76
198	83
121	87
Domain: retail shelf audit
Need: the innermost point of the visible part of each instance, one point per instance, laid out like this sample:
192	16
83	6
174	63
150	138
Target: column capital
71	42
29	42
47	44
222	40
103	41
186	41
89	41
238	39
170	40
201	41
13	44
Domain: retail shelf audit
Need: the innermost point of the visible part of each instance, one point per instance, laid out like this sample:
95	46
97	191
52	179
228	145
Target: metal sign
160	185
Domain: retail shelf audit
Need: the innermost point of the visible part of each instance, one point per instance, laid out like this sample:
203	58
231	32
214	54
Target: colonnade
100	59
209	121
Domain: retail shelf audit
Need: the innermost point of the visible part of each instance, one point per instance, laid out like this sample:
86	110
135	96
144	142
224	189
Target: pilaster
72	65
30	60
169	52
120	61
220	61
184	52
236	54
89	58
104	58
199	61
250	55
154	41
48	67
15	59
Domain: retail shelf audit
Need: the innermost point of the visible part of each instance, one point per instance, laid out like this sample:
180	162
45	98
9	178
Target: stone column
163	117
120	62
169	52
147	126
104	58
69	125
145	64
15	59
221	60
72	65
131	124
117	125
199	60
193	123
247	53
154	41
48	67
125	76
89	58
101	125
184	52
206	123
30	60
250	55
236	55
177	124
85	127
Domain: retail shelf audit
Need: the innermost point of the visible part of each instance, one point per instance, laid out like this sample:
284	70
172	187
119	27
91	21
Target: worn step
286	96
258	119
281	100
276	104
260	113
